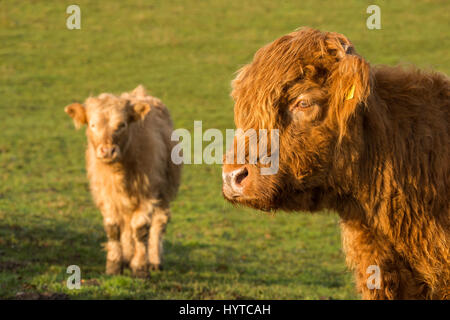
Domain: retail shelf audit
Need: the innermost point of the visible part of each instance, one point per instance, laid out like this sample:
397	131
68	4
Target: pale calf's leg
114	251
127	241
140	225
160	218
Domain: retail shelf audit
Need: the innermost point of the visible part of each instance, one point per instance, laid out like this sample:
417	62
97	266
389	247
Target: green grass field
186	53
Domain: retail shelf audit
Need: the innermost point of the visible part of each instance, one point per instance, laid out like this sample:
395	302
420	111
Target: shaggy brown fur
132	177
379	157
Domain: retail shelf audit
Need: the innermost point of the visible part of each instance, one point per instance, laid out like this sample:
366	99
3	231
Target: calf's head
311	86
109	120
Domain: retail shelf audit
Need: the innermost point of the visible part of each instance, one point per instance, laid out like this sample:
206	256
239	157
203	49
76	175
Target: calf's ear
139	91
78	113
138	111
349	82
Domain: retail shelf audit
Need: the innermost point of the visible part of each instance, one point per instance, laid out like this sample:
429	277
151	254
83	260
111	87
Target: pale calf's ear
138	111
78	113
139	91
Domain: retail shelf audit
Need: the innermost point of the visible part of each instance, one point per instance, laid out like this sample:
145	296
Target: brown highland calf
132	177
371	143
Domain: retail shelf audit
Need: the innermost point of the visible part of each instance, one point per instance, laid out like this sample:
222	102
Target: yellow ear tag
351	93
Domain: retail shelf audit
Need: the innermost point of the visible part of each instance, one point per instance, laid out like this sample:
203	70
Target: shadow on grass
193	269
27	252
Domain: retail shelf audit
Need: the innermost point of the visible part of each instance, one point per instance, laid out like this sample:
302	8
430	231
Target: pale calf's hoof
113	267
141	273
155	267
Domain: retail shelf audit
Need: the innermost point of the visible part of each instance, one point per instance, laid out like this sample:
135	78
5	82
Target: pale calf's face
108	119
107	132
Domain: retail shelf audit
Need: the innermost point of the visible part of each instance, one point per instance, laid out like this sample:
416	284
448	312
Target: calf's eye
301	105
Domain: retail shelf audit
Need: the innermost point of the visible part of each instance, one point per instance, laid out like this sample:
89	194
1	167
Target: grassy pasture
186	53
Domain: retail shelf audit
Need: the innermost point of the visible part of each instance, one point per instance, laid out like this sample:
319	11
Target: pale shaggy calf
132	177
